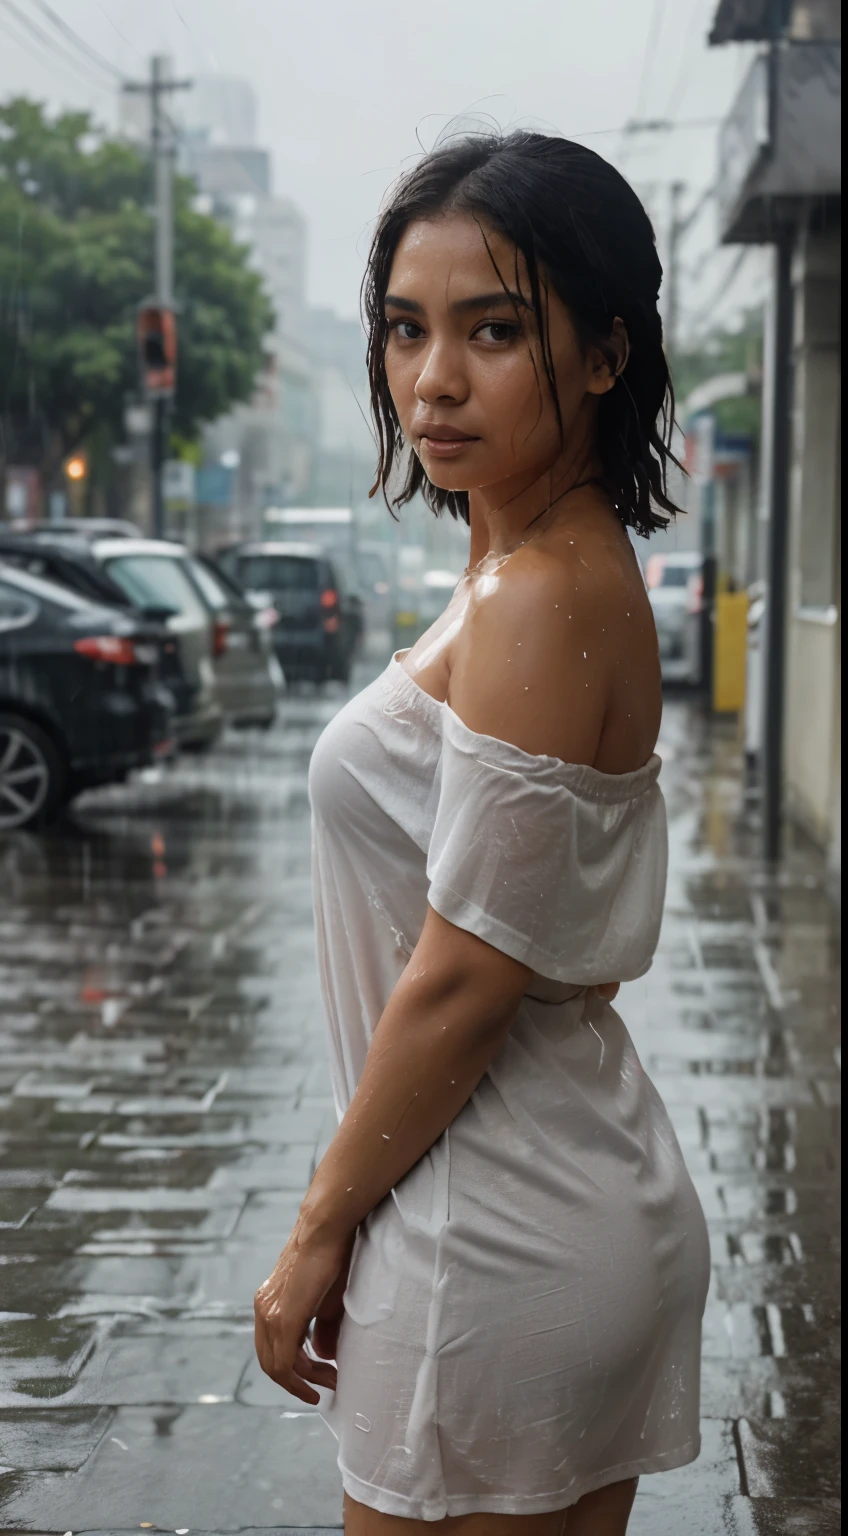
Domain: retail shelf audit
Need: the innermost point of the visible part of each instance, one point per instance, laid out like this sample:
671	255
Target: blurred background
186	205
193	578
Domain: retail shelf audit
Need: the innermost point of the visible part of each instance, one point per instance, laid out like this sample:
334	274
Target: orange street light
75	468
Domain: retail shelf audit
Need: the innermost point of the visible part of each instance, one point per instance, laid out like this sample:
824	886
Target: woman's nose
441	377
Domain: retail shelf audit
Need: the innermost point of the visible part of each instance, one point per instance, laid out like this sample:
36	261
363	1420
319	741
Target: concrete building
780	185
344	457
268	442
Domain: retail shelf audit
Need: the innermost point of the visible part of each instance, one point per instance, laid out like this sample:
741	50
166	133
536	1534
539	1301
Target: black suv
317	598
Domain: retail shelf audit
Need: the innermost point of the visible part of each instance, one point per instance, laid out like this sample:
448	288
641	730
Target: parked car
157	590
81	702
675	586
317	598
90	527
229	632
248	675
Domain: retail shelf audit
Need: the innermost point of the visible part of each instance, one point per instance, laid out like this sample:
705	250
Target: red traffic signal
157	347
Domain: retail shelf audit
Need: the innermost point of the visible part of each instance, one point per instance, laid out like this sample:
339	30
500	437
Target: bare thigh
604	1513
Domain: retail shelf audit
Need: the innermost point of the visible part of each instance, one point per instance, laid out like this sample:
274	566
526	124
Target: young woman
501	1250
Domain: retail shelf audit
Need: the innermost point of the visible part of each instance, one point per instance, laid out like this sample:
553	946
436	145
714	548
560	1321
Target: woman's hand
307	1282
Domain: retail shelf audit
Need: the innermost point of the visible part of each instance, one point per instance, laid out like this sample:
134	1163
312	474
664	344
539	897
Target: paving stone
217	1467
790	1458
188	1361
786	1517
41	1360
57	1440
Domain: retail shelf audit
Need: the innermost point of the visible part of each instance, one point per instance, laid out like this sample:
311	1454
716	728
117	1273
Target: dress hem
385	1502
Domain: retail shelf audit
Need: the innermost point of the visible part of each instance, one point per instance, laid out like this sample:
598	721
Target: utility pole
677	228
779	405
161	392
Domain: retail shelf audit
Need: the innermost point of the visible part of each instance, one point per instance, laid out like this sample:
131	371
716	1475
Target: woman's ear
609	361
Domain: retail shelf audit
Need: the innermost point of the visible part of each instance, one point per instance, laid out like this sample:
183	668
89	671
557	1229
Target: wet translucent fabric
523	1311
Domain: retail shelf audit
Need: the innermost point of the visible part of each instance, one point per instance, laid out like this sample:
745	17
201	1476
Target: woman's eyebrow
500	300
397	302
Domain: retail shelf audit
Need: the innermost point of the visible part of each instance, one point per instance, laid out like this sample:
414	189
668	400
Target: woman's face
464	363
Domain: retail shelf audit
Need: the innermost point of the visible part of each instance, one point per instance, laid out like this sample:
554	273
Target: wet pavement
164	1098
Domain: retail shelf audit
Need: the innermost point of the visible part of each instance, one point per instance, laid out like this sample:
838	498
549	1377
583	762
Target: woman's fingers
288	1364
306	1282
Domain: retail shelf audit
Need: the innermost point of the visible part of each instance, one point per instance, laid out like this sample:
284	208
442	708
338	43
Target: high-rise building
221	109
269	440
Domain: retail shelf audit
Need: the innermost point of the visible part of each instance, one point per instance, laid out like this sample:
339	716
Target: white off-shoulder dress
523	1312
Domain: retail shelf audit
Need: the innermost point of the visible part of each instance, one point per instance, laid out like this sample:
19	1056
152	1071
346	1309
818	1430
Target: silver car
223	640
674	583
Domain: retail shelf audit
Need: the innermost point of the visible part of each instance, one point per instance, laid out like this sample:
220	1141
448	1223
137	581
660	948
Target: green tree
723	351
76	260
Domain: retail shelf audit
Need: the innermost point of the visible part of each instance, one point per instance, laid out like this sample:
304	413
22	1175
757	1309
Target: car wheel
32	774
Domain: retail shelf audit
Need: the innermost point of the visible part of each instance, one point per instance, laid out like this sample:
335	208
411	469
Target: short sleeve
559	866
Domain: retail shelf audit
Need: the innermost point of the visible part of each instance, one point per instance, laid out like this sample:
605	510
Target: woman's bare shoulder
535	659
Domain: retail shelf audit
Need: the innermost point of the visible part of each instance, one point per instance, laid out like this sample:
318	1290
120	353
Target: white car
675	591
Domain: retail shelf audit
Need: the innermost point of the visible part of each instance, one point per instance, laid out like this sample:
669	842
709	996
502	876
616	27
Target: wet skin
548	644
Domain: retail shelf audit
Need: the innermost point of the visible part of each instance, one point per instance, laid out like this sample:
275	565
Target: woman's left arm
445	1020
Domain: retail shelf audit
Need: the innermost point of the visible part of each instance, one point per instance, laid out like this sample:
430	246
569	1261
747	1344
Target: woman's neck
500	514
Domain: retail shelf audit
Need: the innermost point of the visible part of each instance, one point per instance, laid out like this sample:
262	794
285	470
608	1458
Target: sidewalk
165	1097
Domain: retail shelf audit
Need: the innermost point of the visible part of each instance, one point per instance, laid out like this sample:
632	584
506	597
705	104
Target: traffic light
157	348
76	467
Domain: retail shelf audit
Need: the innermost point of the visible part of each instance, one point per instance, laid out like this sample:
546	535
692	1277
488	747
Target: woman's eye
407	330
496	330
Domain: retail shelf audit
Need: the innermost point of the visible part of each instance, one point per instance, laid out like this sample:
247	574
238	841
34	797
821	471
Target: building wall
812	753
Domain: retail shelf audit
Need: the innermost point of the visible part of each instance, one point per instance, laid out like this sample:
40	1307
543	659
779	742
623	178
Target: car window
209	586
226	580
49	592
156	581
17	609
342	574
675	576
278	573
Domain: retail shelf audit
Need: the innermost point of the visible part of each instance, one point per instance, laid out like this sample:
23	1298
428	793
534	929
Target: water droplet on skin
385	1137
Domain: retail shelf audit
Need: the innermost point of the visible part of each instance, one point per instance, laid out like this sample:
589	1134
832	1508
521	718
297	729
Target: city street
164	1098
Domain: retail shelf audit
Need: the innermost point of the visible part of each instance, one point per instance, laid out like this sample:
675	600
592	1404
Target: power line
76	40
49	46
647	61
681	82
114	25
650	125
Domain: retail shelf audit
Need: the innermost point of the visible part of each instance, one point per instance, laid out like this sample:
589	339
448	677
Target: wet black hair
582	230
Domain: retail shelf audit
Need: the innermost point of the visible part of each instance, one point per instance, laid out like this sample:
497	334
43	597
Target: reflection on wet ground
164	1098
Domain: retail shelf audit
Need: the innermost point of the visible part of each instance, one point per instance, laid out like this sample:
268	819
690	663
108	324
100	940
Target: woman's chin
447	476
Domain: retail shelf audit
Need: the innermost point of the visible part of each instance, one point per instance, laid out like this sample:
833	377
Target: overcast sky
346	90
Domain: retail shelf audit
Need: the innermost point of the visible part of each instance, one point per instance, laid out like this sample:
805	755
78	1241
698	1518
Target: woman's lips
446	447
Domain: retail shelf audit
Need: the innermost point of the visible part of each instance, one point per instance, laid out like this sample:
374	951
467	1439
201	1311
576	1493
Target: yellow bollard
730	647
